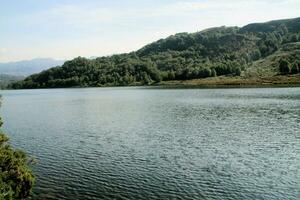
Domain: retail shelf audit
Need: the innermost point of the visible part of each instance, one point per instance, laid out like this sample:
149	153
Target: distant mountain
27	67
8	79
258	50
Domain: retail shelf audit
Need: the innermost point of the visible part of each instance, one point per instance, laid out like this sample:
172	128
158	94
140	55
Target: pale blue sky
64	29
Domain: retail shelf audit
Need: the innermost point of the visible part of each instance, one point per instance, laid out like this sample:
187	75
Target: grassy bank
292	80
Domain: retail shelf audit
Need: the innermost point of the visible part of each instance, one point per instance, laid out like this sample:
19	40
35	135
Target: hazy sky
64	29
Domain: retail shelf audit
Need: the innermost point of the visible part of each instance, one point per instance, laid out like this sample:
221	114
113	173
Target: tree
213	73
16	179
156	76
284	67
207	72
294	38
145	79
295	68
171	75
255	55
237	71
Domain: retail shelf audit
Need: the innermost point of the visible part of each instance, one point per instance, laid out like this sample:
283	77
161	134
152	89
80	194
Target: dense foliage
212	52
16	179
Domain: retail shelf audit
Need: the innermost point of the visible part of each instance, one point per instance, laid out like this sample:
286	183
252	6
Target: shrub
284	67
295	68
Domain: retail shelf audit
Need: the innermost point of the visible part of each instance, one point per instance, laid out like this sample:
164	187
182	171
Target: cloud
3	52
71	15
68	30
87	15
185	7
77	15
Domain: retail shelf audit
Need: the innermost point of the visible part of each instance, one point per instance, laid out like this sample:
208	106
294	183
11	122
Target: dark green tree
237	71
295	68
284	67
213	72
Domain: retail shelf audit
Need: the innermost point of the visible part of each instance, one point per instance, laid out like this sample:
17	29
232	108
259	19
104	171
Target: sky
64	29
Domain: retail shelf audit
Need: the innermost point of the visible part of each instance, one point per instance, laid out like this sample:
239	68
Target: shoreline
239	80
211	82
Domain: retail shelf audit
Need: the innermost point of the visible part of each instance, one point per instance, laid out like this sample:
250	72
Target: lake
150	143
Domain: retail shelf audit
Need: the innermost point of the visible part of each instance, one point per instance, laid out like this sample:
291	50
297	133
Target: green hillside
255	50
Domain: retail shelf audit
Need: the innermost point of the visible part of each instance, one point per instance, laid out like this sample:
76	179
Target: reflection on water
135	143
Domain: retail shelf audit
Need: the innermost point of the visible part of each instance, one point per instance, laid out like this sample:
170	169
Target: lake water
147	143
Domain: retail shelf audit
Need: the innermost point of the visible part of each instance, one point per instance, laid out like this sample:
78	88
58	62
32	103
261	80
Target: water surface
140	143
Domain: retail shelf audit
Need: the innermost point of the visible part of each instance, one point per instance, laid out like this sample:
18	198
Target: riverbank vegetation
16	178
251	52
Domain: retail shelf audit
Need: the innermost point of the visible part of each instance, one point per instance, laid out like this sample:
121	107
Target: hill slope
259	49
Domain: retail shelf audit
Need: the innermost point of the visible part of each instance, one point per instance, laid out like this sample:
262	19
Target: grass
288	80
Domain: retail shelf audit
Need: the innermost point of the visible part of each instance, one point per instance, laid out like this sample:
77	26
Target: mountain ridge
27	67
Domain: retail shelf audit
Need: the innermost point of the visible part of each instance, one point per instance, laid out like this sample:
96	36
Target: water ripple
133	143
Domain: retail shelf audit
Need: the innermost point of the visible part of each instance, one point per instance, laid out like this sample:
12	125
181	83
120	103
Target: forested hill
254	50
